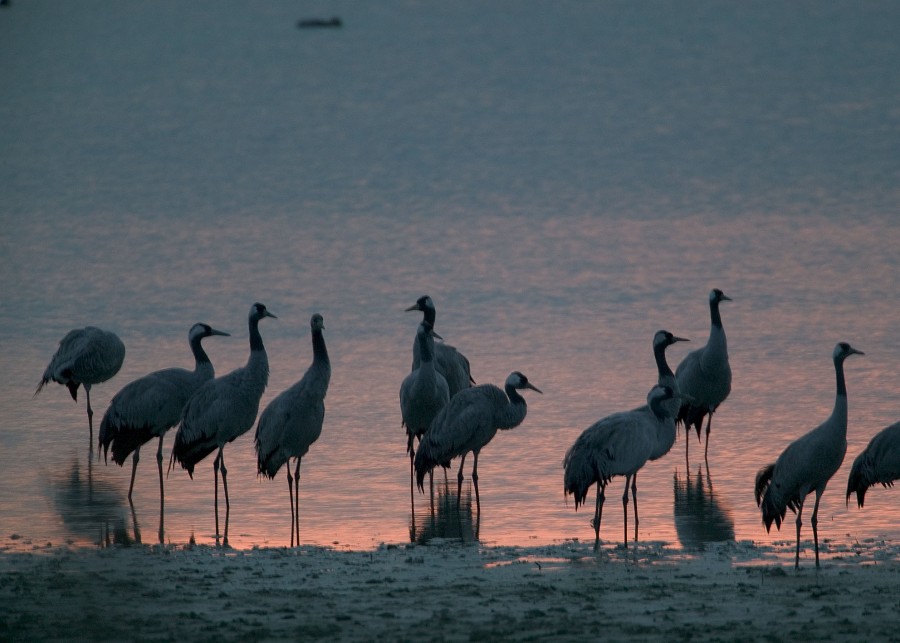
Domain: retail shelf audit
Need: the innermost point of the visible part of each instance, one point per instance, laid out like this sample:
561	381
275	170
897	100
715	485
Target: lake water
563	179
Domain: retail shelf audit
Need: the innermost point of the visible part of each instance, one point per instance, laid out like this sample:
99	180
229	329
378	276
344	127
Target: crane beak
854	351
268	314
533	387
219	332
680	339
413	307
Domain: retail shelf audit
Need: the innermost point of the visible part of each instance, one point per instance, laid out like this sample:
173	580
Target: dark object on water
319	22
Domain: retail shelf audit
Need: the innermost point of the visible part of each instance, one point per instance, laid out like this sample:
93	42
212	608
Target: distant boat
319	22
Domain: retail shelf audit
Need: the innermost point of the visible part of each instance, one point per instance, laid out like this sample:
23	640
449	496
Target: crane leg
134	462
224	479
475	483
814	521
799	523
90	414
459	479
290	482
625	507
297	499
162	495
598	513
216	492
634	497
706	447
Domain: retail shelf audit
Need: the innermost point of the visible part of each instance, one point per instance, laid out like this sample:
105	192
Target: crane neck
200	356
512	415
659	352
426	348
256	342
840	399
429	315
320	352
714	315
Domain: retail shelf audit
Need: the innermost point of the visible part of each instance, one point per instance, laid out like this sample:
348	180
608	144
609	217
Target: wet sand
451	591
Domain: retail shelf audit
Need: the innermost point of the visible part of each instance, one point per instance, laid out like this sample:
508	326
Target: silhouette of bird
618	445
86	356
449	362
468	423
423	393
151	405
704	376
293	421
808	463
879	463
223	409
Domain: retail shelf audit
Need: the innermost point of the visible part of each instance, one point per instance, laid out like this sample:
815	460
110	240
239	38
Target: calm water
562	180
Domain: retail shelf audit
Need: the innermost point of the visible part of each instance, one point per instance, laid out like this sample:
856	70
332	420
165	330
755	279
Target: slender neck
430	315
840	399
714	315
256	342
659	352
513	413
200	356
320	353
426	348
839	376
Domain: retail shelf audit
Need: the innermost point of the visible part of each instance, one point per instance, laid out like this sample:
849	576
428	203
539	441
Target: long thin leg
134	462
706	448
598	513
297	499
475	483
290	481
216	492
90	414
634	497
459	479
799	523
625	507
224	478
162	493
815	522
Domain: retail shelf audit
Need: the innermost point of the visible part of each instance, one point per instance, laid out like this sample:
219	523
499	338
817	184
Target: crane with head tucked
223	409
468	423
619	445
293	421
879	463
86	356
808	463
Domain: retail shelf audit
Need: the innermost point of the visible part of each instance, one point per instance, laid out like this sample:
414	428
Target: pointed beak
413	307
219	332
853	350
268	314
533	387
680	339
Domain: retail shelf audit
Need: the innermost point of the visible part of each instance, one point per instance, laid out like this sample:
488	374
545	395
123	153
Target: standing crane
468	423
449	362
618	445
808	463
223	409
293	421
423	393
86	356
879	463
704	376
151	405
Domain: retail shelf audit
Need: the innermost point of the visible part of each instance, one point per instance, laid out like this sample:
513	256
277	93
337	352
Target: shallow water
562	185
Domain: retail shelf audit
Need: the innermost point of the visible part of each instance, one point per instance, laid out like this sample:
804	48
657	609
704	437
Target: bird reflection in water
93	510
700	517
446	518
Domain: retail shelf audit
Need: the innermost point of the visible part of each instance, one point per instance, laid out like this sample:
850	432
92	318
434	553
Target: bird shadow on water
444	518
93	510
700	517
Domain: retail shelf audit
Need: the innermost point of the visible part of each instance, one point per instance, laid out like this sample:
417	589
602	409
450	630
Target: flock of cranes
446	415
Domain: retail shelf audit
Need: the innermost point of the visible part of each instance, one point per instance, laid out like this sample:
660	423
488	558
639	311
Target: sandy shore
450	591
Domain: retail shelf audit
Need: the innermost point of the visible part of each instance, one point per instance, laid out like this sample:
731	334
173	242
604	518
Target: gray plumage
808	463
151	405
449	362
423	393
468	423
223	409
704	375
879	463
665	377
86	356
293	421
618	445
